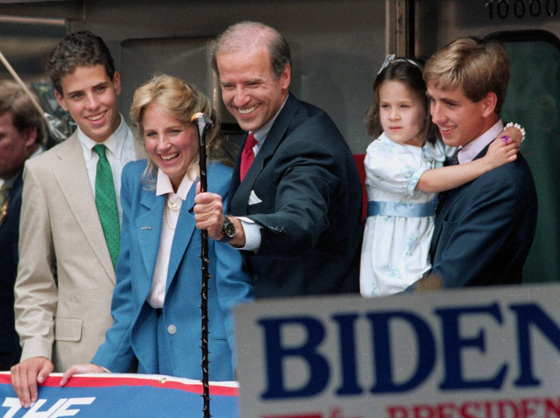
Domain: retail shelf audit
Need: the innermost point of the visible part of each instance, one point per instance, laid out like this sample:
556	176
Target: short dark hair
15	101
408	73
76	50
250	34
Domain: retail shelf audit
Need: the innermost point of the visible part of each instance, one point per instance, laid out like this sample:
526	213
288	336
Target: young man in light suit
62	317
484	229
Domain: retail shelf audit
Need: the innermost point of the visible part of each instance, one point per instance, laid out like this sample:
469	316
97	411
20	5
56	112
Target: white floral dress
399	228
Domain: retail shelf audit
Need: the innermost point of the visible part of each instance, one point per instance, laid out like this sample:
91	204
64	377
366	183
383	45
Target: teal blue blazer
134	331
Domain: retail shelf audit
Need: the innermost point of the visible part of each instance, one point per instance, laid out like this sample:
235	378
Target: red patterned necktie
247	156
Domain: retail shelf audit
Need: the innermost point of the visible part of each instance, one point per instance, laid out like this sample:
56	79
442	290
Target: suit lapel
240	195
148	230
73	180
16	187
184	232
452	198
455	194
234	184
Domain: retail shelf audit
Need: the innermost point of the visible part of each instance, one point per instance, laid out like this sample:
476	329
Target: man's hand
84	368
208	213
26	375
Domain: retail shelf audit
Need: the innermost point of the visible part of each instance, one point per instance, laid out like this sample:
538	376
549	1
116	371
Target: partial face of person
459	119
170	144
401	113
15	146
91	98
250	91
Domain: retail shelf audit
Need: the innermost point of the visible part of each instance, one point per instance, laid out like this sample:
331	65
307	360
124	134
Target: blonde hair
477	67
180	100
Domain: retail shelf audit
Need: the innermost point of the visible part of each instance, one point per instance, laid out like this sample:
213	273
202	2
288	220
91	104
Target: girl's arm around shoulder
450	177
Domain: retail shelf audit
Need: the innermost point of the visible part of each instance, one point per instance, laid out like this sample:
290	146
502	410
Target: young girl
404	172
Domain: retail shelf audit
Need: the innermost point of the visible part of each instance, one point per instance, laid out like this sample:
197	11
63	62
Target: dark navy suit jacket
485	228
310	207
9	236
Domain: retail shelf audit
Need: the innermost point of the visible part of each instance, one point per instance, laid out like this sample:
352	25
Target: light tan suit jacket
60	229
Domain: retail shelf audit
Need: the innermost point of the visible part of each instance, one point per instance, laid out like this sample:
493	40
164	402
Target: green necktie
106	202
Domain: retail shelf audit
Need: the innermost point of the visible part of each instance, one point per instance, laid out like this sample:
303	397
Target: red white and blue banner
120	396
478	353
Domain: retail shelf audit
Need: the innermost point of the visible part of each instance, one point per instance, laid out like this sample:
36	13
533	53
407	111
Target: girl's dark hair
411	76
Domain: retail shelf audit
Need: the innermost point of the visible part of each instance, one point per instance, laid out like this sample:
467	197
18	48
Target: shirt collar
473	148
114	143
262	133
164	185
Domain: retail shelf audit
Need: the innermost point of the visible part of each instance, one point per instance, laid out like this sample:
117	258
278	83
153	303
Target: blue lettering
453	344
281	352
276	352
526	315
348	354
383	361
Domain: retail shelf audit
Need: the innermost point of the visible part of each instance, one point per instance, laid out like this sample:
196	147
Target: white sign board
480	353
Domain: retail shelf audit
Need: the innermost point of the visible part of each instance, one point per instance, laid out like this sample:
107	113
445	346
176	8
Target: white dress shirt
169	220
468	153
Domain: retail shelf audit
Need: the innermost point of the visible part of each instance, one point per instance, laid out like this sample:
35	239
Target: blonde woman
157	297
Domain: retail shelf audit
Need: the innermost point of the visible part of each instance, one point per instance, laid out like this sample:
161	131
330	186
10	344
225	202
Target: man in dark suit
485	228
295	211
22	131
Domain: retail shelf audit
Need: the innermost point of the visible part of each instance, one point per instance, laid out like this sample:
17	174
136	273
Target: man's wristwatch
228	229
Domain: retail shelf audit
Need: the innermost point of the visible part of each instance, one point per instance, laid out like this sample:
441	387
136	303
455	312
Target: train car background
337	48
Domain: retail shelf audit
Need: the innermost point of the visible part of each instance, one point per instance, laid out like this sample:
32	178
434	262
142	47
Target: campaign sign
480	353
120	396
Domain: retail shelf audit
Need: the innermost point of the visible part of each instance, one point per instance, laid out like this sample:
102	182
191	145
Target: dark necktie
443	195
4	190
106	202
247	156
4	193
